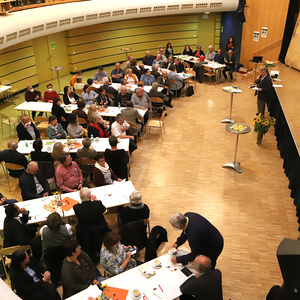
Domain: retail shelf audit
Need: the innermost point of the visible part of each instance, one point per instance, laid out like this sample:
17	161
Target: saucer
156	266
136	297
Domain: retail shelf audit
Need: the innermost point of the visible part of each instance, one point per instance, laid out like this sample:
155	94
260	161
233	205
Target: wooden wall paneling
271	14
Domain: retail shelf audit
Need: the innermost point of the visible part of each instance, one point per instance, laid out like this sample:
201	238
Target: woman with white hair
136	210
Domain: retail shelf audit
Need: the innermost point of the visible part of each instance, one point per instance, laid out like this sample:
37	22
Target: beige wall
265	13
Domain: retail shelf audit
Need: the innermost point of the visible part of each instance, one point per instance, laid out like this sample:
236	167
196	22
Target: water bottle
26	143
119	106
92	138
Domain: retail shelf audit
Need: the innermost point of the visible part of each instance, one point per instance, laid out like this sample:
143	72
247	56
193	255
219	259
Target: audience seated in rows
50	94
99	75
164	82
132	115
103	99
115	258
199	52
33	184
122	98
30	278
69	97
60	113
74	129
55	129
38	154
86	151
108	88
161	51
147	78
26	130
78	85
4	201
119	128
74	77
131	78
219	58
117	73
68	174
11	155
148	59
32	95
103	174
95	128
116	158
210	54
88	95
136	210
80	110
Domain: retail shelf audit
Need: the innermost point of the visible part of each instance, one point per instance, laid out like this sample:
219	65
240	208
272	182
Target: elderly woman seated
30	278
136	210
95	128
78	271
74	129
86	151
103	174
115	258
55	129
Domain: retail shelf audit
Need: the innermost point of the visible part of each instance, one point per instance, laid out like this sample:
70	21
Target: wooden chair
13	167
79	92
6	120
4	252
123	64
136	134
111	96
41	123
86	165
157	104
187	67
209	72
157	124
174	82
83	122
194	77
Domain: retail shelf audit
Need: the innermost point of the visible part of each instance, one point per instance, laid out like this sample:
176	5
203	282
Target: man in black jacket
26	129
33	184
108	88
205	285
122	97
229	61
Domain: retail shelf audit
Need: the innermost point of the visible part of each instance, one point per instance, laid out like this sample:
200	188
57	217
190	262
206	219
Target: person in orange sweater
73	79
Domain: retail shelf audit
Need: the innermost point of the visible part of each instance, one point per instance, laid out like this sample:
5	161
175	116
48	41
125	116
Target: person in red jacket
50	94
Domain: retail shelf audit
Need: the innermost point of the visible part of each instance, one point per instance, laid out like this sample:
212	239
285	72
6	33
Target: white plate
136	298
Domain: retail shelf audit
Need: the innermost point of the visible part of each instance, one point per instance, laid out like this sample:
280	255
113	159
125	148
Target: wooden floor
252	210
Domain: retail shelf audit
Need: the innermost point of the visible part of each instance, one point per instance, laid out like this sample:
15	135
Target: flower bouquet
261	126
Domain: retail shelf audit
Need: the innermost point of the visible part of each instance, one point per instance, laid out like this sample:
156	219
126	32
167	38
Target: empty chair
157	124
209	72
6	120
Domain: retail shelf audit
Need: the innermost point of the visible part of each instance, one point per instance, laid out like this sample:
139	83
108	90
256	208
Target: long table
99	145
112	111
169	277
130	87
111	196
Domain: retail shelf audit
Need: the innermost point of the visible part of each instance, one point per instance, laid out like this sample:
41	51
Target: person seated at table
169	50
60	113
86	151
155	72
119	128
230	45
147	78
155	93
73	79
229	61
93	109
108	88
33	184
179	65
169	63
135	69
132	115
158	61
148	59
99	75
161	51
187	50
103	174
199	52
115	258
58	150
136	210
95	128
103	99
123	97
219	58
26	129
78	85
32	95
142	100
68	175
74	129
69	96
116	158
88	95
50	94
131	78
11	155
80	111
210	54
55	129
38	154
117	73
30	278
205	284
172	75
78	271
4	201
164	82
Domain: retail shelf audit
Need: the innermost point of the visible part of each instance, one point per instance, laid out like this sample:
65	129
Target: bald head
202	263
32	167
85	194
164	73
148	53
158	57
12	144
123	89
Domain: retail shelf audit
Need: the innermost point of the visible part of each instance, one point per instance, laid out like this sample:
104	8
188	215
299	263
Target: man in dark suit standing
229	61
205	285
264	86
203	237
26	129
33	184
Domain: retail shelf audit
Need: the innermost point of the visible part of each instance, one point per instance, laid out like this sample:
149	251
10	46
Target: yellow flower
267	123
258	119
103	286
259	115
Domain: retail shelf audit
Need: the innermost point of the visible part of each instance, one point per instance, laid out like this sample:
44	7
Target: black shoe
257	114
170	105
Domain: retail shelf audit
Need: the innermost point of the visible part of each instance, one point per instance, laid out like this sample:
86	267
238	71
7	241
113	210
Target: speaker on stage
288	255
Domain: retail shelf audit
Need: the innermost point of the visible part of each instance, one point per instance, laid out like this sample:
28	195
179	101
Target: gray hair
177	219
94	117
12	144
265	70
203	263
85	194
139	89
135	196
229	51
119	117
155	67
105	80
23	117
154	86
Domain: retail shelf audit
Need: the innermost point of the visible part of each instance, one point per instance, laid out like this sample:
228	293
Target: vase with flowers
261	126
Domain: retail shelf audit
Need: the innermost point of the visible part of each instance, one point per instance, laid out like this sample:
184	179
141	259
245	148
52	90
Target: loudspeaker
288	255
241	16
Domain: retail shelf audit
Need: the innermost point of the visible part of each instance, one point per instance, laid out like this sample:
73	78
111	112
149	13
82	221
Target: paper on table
93	291
255	88
277	85
274	73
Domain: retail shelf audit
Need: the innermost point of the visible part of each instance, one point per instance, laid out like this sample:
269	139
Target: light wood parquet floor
252	210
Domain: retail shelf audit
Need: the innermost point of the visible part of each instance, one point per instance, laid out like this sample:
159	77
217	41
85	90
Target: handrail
263	48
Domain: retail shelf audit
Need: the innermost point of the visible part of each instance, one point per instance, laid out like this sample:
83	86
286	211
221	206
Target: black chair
90	240
135	233
86	166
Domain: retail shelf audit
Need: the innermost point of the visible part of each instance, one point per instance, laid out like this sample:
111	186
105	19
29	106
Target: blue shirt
219	59
116	72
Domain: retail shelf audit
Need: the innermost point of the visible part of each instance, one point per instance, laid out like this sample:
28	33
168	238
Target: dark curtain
291	20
